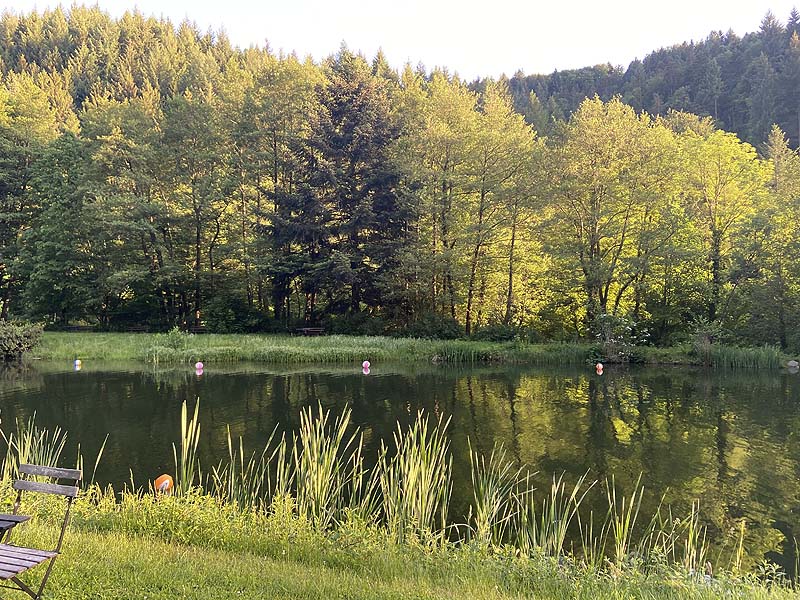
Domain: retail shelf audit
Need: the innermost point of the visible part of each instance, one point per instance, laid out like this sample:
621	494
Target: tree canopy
152	174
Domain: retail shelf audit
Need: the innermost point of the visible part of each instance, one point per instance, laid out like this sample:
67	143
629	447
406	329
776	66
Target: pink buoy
365	365
599	368
198	365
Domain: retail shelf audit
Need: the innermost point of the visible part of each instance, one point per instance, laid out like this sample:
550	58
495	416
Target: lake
727	439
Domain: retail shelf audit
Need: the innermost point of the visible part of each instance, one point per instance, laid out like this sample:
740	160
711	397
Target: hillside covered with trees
152	174
745	84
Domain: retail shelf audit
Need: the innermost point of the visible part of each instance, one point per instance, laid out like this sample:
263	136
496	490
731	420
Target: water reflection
727	439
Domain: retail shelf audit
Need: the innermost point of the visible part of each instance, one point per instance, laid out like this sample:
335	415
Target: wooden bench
310	331
137	329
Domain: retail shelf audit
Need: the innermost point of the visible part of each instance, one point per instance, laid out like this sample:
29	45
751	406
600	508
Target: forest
154	175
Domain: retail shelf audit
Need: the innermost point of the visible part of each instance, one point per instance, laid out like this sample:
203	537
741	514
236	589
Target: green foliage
618	337
436	327
498	332
18	338
159	177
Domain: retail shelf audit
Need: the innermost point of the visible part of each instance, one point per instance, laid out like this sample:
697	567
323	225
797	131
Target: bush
499	332
233	315
18	338
436	327
361	323
175	339
618	337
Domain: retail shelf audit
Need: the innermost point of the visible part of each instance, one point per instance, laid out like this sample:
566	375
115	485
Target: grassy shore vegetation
304	518
179	347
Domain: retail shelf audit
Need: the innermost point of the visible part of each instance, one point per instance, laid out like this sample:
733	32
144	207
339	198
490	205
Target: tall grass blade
187	466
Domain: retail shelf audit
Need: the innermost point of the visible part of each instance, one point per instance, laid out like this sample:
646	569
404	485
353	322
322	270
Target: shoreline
181	348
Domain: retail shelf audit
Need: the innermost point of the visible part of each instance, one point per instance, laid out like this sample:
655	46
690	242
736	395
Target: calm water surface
727	439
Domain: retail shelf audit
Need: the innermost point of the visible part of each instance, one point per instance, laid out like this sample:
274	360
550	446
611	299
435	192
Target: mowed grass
116	565
102	566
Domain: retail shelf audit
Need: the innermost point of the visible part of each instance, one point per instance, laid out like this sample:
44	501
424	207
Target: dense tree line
745	84
153	174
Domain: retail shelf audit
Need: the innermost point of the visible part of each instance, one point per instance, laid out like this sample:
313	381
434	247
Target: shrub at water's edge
310	501
177	347
17	338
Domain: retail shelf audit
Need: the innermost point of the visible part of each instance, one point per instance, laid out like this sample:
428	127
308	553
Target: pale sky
484	38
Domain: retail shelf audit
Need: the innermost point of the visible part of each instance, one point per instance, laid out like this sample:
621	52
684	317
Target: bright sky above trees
474	39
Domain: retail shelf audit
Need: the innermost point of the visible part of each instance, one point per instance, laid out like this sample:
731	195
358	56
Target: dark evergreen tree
345	212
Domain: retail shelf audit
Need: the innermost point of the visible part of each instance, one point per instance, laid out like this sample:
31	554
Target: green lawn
115	565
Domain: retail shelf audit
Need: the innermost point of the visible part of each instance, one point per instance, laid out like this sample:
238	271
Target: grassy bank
116	565
183	348
179	348
305	519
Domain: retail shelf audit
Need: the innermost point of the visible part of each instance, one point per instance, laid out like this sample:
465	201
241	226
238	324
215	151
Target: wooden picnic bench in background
310	331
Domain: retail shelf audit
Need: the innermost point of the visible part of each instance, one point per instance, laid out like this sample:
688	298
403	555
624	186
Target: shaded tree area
151	174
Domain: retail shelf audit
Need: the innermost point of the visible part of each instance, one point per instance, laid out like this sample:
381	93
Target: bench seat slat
7	550
6	563
17	559
46	488
5	574
54	472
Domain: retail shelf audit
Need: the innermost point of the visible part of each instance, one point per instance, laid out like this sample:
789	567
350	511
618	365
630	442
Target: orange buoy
599	368
164	484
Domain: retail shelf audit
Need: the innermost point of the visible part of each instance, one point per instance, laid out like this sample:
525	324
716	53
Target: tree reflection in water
728	439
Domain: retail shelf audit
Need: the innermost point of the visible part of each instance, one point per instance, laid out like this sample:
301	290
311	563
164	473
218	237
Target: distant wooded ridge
746	84
153	175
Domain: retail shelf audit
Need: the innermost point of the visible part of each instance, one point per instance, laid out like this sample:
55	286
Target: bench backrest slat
54	472
70	491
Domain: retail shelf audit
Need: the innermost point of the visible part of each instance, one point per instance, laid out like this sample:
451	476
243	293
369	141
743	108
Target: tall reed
321	472
32	444
89	482
546	533
623	513
187	466
695	550
243	480
416	482
494	483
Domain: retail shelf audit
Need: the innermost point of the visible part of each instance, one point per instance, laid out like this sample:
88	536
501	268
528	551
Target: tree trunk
510	289
716	275
197	267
